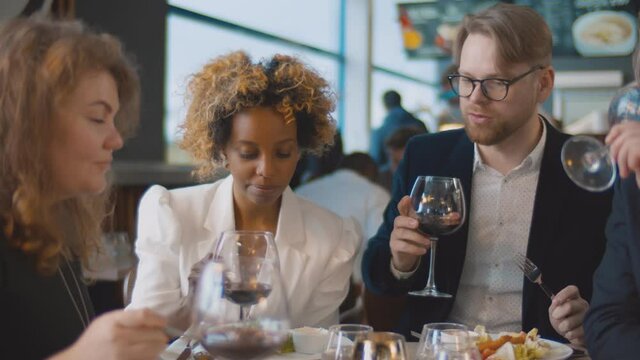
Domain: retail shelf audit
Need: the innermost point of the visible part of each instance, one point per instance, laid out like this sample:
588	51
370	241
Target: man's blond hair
520	33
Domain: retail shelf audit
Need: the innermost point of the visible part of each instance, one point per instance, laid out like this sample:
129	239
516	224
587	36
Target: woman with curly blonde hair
67	97
254	119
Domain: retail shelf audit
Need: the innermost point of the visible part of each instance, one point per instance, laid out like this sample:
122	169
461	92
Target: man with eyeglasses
518	197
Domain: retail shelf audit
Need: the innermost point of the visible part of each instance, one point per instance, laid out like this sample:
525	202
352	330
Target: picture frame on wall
593	28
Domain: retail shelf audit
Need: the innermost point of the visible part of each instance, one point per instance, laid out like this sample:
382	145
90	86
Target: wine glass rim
445	326
350	328
439	178
247	232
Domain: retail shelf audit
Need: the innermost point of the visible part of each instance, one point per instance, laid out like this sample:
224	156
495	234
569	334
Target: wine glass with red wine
439	206
240	307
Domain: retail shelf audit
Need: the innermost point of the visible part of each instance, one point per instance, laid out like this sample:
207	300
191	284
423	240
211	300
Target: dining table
175	349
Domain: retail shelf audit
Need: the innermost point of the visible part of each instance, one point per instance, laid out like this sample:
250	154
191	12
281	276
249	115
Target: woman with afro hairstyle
255	120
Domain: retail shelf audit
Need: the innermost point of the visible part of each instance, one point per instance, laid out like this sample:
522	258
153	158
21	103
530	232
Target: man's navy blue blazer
566	238
613	321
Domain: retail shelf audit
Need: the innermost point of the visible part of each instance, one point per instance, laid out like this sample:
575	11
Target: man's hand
624	142
566	314
407	243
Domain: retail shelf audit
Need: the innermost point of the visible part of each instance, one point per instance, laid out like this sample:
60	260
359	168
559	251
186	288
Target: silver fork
532	273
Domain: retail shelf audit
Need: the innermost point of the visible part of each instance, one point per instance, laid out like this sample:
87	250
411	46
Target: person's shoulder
440	140
311	210
179	199
195	192
318	217
333	229
313	186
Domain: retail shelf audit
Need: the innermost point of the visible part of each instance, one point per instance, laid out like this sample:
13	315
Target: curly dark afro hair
231	84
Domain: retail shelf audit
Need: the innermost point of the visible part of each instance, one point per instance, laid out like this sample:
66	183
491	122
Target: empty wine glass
586	160
446	341
439	206
240	307
342	339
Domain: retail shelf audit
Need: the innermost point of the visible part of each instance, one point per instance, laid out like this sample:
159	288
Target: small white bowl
308	340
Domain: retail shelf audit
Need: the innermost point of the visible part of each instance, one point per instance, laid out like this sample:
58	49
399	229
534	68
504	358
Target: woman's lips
265	189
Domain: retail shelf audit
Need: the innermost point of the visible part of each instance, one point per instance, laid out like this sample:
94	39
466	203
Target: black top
37	316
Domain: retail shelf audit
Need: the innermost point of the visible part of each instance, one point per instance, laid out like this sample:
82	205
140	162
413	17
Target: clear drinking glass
586	160
439	206
342	339
380	346
446	341
240	308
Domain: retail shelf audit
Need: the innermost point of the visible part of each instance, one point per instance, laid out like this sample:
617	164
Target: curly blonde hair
231	84
41	63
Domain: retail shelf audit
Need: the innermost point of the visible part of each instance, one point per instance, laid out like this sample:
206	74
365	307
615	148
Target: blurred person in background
255	120
68	96
351	191
312	166
397	117
394	147
450	117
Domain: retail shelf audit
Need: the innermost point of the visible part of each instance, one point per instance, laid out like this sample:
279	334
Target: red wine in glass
437	225
246	294
242	342
439	207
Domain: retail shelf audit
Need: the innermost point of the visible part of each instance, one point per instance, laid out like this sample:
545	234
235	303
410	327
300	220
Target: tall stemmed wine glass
586	160
240	308
439	207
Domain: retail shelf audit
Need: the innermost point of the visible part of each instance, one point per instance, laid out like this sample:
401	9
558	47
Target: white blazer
178	228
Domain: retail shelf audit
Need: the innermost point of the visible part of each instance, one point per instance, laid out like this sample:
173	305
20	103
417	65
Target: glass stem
432	264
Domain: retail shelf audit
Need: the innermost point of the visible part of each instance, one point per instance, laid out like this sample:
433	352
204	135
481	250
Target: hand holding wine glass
592	165
407	242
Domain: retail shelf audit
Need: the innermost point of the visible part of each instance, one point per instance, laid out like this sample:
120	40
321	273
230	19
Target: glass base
430	293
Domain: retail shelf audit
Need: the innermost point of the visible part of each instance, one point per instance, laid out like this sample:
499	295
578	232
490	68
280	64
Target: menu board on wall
579	27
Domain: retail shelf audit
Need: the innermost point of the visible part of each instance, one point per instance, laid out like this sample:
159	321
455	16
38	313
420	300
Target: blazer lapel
551	193
459	165
290	241
219	218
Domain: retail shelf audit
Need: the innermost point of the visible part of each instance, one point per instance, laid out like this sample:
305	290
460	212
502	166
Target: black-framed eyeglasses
493	88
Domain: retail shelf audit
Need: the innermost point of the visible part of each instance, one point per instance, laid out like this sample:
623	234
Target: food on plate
605	33
511	346
609	30
287	347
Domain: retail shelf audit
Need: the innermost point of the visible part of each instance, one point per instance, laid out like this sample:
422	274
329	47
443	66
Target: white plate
557	351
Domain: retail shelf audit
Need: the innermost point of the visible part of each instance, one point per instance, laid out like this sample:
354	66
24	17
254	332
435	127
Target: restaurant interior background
362	47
